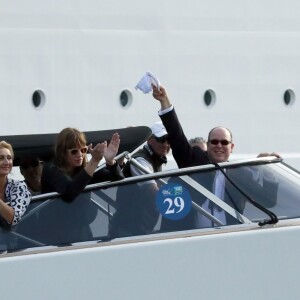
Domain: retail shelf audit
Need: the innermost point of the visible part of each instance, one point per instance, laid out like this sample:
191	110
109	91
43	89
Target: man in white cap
135	205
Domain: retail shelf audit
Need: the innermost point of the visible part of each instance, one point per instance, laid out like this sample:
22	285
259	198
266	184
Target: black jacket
187	156
55	180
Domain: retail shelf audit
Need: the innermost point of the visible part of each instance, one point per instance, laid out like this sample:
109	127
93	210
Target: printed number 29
177	203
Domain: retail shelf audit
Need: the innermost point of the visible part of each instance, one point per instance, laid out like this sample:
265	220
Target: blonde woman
14	194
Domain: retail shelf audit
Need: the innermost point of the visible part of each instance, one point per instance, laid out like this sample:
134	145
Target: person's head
159	139
70	149
31	169
199	142
219	144
6	158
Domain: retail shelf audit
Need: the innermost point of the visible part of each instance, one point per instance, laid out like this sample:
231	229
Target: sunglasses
162	139
223	142
30	164
75	151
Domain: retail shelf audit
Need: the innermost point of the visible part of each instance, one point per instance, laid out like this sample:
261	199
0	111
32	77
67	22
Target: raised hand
98	151
162	96
265	154
112	149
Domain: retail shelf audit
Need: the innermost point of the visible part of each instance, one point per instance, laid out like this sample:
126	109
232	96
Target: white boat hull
250	264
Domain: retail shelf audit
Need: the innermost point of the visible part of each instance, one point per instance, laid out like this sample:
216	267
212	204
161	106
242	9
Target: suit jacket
187	156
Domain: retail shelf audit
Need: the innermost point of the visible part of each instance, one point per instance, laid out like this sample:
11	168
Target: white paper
145	83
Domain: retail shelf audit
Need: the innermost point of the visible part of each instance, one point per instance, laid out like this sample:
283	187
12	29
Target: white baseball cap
158	129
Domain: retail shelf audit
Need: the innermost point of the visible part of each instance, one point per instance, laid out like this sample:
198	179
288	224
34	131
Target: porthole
289	97
125	98
209	98
38	99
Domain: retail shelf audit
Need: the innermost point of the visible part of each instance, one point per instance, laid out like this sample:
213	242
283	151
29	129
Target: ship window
125	98
209	98
289	97
38	99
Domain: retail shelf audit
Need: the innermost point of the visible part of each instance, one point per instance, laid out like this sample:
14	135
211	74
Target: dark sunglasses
223	142
75	151
30	164
162	139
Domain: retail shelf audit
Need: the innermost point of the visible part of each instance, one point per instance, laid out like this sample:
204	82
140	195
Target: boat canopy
258	192
42	145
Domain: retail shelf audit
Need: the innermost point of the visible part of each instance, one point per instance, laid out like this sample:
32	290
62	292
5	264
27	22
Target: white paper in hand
145	83
153	79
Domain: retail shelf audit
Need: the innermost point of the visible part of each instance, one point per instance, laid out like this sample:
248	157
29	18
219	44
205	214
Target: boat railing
50	221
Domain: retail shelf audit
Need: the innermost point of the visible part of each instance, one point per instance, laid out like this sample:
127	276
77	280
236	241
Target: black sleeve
184	154
109	173
54	180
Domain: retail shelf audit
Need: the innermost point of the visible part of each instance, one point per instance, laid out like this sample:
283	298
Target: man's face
31	169
161	148
218	152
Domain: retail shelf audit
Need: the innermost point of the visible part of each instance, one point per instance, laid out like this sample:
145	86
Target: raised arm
183	153
112	150
162	96
101	149
97	154
112	172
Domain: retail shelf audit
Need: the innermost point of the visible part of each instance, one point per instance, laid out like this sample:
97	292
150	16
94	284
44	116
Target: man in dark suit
219	147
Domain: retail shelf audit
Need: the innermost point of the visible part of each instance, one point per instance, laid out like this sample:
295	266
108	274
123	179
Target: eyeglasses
75	151
223	142
29	164
162	139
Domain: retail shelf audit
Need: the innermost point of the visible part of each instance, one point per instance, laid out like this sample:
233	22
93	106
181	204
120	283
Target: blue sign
173	201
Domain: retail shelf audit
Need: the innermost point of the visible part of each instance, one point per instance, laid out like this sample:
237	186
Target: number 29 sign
173	201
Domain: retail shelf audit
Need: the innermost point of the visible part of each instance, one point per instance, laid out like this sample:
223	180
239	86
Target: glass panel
285	203
257	183
58	223
145	205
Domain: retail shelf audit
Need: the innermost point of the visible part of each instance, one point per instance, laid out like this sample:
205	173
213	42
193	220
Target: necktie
218	190
219	184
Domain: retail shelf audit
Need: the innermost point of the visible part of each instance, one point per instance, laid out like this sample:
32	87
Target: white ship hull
82	55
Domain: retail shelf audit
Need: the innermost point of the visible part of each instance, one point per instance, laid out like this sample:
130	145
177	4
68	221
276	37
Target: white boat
65	250
231	63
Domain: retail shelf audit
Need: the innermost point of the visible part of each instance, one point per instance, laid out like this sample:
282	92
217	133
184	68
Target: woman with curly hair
14	194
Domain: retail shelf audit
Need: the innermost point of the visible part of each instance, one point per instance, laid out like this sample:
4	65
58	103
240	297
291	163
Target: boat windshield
187	199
